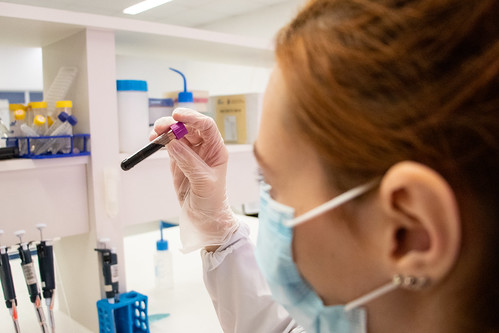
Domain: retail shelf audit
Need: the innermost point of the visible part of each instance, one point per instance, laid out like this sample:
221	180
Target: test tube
177	131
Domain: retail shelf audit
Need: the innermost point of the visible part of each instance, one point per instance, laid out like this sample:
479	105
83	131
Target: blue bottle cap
131	85
63	116
162	245
72	120
185	96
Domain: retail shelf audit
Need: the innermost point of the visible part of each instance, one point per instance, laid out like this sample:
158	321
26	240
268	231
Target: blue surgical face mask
274	257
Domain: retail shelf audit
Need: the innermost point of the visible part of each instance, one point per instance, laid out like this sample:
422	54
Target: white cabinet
72	195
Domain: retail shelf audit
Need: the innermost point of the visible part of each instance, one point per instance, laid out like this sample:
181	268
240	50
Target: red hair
382	81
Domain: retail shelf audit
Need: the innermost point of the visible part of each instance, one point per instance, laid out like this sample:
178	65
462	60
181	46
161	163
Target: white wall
260	23
21	68
218	79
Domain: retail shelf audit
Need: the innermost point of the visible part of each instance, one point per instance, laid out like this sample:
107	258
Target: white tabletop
188	304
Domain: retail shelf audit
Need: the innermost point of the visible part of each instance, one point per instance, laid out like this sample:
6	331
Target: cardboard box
237	116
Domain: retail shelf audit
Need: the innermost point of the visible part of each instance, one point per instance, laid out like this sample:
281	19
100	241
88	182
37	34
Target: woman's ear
426	228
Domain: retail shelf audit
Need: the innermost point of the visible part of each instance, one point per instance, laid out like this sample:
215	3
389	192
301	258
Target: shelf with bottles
75	145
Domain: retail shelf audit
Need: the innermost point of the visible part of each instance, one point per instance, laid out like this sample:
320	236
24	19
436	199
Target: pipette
110	271
177	131
45	252
9	292
109	260
31	282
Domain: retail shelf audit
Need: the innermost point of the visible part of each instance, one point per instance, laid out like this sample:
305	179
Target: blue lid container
131	85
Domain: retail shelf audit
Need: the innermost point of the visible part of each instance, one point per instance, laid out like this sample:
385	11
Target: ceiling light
143	6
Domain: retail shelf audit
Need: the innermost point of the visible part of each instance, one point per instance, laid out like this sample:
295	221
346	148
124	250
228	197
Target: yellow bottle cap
64	104
38	105
50	121
19	114
14	107
39	120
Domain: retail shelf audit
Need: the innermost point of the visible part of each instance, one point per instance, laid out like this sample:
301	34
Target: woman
379	142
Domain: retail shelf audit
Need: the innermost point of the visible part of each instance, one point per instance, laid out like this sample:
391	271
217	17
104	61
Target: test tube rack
129	315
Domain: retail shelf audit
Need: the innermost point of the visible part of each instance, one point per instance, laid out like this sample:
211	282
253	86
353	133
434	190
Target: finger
190	163
161	126
201	125
180	182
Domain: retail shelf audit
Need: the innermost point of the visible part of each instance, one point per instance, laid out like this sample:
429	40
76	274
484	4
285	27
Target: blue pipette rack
129	315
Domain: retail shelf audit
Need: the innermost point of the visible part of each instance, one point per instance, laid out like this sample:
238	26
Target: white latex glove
199	166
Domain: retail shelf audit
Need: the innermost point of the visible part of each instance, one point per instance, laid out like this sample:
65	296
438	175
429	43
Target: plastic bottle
28	131
4	133
39	108
60	119
61	106
158	108
29	114
185	98
40	125
163	265
64	145
133	115
56	144
19	119
38	129
66	106
12	109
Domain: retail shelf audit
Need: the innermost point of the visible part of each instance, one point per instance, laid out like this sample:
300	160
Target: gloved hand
199	166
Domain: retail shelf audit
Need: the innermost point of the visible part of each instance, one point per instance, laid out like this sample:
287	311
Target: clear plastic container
40	125
19	120
158	108
13	108
64	106
38	129
60	119
19	117
56	144
133	115
163	266
39	108
64	144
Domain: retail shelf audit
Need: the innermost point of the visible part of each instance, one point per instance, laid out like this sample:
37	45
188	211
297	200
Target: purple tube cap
178	130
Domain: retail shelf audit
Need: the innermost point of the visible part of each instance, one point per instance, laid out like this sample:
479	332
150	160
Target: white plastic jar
133	114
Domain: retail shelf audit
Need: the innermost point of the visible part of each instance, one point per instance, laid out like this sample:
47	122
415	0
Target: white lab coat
239	292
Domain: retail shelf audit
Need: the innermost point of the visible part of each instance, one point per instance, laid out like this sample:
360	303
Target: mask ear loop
398	281
333	203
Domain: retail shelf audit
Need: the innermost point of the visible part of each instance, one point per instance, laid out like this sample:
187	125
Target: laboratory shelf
18	164
37	27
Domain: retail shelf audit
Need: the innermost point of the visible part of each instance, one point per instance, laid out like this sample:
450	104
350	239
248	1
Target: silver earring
410	282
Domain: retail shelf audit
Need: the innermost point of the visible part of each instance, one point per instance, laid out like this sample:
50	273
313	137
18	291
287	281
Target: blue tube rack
129	315
80	141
